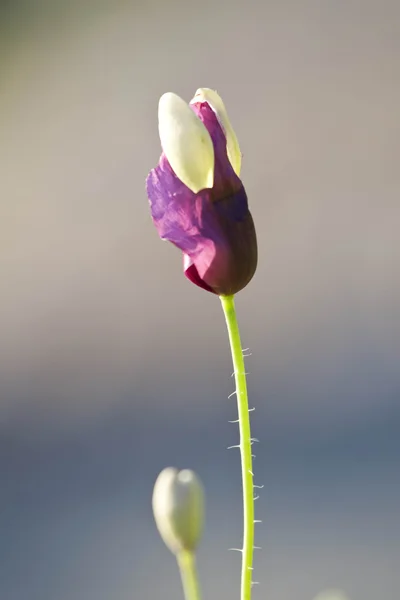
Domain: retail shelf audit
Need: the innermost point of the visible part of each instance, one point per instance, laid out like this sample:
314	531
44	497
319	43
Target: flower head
197	199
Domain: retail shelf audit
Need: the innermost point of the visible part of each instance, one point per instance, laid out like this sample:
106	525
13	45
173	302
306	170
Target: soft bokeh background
112	366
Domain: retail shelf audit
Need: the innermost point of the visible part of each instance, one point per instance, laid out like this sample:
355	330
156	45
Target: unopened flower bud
331	594
178	507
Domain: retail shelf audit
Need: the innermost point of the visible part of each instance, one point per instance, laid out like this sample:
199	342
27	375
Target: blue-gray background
112	366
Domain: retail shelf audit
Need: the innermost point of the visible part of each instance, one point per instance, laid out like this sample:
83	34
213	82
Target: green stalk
187	567
228	306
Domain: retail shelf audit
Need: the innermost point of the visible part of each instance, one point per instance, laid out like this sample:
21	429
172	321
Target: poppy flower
197	199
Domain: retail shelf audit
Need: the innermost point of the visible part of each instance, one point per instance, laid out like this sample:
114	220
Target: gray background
112	366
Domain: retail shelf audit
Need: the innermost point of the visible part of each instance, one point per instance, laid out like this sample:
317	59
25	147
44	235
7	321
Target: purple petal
216	234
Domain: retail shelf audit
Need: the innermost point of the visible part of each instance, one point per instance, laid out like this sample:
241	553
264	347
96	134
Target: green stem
228	306
187	567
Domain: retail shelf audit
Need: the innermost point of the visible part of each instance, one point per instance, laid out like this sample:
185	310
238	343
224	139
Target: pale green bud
178	507
214	100
186	143
331	594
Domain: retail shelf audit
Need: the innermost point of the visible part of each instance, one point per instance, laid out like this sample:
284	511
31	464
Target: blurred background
113	366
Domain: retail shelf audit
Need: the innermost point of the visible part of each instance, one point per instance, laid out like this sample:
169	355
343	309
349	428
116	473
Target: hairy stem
228	306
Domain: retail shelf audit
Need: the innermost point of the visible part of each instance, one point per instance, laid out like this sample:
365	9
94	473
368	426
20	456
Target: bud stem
187	567
228	306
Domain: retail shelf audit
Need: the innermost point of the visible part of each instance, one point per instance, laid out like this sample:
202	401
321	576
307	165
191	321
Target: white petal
186	143
232	144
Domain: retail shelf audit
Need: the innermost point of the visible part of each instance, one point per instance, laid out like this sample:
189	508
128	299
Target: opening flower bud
197	200
186	143
178	507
